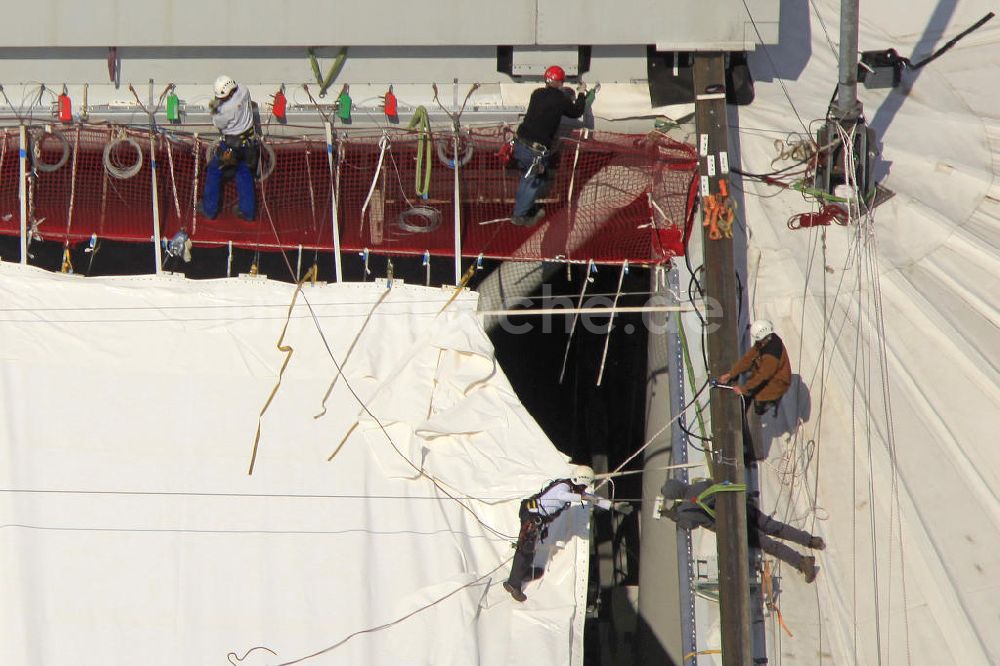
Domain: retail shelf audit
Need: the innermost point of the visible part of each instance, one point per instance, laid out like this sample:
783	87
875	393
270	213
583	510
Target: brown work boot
521	596
817	543
808	568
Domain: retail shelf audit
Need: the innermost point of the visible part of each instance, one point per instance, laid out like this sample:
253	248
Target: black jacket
545	111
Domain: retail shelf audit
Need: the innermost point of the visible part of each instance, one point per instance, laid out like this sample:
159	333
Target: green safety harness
725	486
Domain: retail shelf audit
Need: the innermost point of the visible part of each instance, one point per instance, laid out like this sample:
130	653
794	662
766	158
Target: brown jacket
770	370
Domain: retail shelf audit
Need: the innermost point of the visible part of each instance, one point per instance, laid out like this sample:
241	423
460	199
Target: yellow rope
691	655
287	350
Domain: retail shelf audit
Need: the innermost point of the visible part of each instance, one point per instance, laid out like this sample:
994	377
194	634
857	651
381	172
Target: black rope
941	51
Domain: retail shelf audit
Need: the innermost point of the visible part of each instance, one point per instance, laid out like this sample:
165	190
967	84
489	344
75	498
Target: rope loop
39	144
122	172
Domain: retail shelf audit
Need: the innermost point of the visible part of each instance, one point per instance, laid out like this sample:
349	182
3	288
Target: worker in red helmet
535	138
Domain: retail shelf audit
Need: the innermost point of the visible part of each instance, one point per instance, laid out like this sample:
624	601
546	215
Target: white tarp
131	532
895	462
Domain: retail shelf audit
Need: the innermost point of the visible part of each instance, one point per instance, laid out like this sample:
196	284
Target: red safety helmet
555	73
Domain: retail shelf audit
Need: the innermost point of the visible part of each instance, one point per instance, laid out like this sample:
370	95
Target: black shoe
514	592
528	220
817	543
238	212
808	568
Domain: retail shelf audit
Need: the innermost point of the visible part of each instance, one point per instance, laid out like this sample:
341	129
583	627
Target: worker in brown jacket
769	368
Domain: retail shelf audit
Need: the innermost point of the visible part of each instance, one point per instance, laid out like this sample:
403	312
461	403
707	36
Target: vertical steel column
156	203
685	557
23	192
658	633
723	344
334	213
847	107
458	216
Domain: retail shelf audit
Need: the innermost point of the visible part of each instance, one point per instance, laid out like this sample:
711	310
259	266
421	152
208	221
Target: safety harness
725	486
534	507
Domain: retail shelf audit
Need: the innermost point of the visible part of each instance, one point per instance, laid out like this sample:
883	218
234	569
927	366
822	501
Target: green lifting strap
338	63
425	152
725	486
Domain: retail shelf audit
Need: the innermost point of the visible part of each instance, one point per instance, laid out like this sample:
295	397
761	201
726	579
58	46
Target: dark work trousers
243	165
524	552
530	185
751	451
767	527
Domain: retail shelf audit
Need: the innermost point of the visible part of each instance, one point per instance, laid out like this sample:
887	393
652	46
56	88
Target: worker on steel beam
694	506
769	368
236	154
535	138
770	375
538	511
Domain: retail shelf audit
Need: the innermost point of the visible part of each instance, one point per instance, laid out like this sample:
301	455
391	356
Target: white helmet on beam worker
760	329
582	475
224	86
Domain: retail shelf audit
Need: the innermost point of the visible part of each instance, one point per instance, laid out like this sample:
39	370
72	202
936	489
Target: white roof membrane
374	533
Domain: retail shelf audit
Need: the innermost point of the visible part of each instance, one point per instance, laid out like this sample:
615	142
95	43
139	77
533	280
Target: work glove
604	504
213	105
624	508
581	88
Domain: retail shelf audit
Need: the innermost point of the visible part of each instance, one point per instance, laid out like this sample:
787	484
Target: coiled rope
36	151
115	170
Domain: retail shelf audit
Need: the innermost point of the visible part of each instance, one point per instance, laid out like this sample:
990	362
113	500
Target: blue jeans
529	186
216	173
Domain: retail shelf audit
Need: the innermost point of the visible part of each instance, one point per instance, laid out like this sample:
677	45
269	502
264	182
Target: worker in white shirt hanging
237	153
538	511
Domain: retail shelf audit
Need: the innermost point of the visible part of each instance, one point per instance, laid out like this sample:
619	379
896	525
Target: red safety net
611	198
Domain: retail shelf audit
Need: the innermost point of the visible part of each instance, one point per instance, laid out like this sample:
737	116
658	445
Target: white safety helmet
760	329
582	475
224	85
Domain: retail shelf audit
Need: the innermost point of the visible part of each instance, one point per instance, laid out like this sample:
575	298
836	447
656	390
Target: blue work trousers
530	184
216	173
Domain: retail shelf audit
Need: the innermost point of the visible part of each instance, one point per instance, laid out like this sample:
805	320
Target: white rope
652	438
611	322
576	317
383	145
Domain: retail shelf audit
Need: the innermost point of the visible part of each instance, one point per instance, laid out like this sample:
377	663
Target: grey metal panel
266	22
670	24
200	66
288	65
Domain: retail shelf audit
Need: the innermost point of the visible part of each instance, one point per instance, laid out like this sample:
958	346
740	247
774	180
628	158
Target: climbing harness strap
338	63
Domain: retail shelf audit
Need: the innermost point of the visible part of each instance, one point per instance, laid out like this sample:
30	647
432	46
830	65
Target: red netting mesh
613	197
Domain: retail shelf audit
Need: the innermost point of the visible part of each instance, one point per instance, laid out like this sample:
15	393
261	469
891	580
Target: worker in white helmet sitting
237	153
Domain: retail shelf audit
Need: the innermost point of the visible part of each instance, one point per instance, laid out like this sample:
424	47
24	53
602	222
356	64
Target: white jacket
235	115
